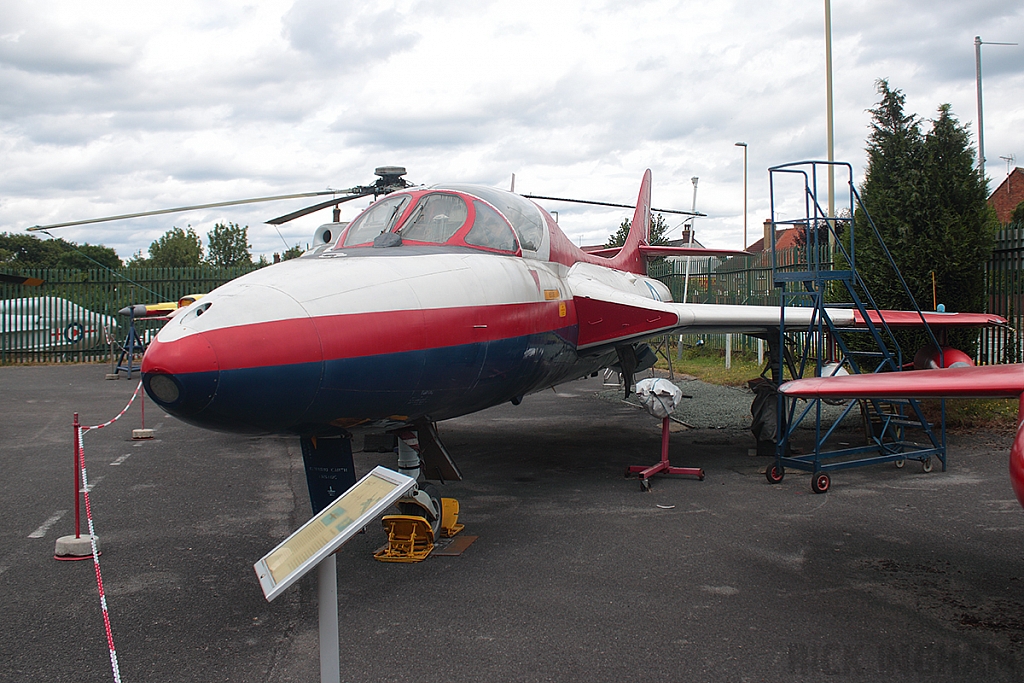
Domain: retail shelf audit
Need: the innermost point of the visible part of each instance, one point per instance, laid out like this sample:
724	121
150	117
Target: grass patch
962	414
709	366
967	414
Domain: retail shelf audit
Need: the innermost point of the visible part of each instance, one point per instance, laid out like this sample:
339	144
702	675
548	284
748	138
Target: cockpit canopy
456	215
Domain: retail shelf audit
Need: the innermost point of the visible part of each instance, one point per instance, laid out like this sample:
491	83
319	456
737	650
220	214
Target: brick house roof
784	238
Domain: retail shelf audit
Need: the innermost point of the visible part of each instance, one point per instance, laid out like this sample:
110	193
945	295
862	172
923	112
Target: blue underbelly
433	384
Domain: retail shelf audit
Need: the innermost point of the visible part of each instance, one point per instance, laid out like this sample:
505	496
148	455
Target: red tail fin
630	259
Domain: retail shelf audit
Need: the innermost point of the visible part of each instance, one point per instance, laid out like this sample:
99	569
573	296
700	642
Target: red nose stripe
306	340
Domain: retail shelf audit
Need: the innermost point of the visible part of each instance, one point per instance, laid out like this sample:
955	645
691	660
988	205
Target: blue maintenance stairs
895	430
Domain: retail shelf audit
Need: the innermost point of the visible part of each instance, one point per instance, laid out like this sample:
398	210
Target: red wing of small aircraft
990	381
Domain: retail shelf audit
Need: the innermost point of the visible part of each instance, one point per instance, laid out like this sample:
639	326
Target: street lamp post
744	146
693	209
829	121
981	126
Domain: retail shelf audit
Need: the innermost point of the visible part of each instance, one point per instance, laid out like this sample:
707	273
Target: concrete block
69	546
140	434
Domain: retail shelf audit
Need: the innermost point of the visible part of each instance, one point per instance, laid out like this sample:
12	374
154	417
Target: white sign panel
330	529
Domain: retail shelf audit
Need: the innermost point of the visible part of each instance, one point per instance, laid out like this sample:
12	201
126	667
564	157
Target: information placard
330	529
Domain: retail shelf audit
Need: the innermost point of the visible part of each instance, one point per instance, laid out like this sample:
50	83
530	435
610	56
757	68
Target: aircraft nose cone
248	359
181	375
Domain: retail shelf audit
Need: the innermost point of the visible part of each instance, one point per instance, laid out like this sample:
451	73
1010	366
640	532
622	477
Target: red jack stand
646	473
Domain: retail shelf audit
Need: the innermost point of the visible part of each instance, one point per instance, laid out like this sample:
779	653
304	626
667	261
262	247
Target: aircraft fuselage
368	337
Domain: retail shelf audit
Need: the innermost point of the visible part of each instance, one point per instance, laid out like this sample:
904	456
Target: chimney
768	244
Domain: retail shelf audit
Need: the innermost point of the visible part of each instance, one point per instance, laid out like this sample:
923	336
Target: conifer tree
929	205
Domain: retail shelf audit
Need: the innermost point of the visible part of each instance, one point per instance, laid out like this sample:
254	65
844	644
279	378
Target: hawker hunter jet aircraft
433	303
991	381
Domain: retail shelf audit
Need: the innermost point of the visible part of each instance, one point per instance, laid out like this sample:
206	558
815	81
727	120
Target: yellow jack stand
410	539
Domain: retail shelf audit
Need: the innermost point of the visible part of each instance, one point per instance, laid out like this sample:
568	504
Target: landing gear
820	482
423	502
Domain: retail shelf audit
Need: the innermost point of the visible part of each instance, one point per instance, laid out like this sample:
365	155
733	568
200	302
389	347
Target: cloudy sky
116	107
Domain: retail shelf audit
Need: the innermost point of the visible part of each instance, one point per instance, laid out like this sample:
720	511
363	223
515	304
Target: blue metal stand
133	344
896	431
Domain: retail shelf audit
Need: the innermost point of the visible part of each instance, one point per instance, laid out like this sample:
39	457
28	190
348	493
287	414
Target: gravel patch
713	406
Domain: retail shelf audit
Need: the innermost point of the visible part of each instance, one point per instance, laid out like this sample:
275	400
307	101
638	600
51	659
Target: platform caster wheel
820	482
645	485
927	465
774	474
899	463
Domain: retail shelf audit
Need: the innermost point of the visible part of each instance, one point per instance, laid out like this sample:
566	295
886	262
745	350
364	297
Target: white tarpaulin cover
659	396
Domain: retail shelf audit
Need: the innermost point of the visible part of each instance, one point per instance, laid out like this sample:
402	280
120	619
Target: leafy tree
176	248
229	245
929	205
656	236
293	252
89	256
28	251
1017	217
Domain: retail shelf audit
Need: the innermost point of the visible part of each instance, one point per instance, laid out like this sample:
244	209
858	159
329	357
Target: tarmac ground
576	574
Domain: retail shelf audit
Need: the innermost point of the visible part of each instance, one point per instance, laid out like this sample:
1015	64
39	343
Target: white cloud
112	108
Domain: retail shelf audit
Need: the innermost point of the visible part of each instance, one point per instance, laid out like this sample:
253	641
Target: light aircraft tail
629	257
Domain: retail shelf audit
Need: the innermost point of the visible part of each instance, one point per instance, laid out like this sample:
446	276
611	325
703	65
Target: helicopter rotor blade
20	280
316	207
617	206
180	209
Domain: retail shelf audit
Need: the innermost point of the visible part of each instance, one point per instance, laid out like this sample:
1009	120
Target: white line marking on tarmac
92	484
45	526
121	459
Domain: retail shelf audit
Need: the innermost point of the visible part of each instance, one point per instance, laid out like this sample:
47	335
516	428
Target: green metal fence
73	316
743	280
1004	283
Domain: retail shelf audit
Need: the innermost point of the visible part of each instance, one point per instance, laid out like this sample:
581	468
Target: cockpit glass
490	230
379	218
524	216
435	219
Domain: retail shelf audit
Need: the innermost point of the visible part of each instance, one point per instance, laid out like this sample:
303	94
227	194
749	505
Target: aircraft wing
985	381
610	313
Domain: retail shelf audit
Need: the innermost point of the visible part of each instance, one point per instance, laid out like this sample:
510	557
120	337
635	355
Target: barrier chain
80	456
